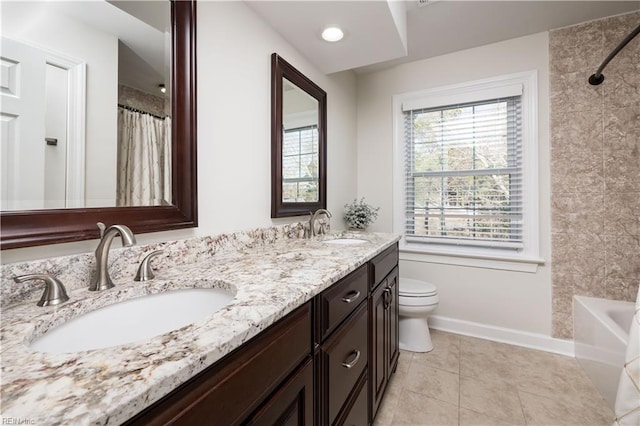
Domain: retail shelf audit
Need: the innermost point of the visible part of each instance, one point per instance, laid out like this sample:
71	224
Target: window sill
470	258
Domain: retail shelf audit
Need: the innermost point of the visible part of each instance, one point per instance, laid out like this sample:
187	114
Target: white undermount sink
346	241
133	320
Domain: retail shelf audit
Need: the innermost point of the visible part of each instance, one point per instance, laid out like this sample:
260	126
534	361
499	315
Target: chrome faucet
324	225
101	279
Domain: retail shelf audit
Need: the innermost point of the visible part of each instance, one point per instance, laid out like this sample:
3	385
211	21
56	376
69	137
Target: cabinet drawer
231	389
382	264
356	414
336	303
345	357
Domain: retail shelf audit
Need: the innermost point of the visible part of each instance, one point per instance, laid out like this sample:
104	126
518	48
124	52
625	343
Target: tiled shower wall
595	166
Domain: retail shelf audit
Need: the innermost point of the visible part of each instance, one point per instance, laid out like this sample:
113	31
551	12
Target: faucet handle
101	227
145	272
54	291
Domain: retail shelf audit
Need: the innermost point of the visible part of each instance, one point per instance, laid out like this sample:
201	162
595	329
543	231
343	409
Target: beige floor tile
404	361
415	409
391	397
433	382
496	384
445	354
486	359
493	398
542	411
558	377
473	418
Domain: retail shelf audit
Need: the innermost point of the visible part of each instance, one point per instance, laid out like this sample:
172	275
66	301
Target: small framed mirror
298	142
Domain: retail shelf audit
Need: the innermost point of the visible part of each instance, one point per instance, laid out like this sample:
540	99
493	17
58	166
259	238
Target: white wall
514	300
234	116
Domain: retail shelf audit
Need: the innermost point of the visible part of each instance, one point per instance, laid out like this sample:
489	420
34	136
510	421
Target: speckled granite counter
108	386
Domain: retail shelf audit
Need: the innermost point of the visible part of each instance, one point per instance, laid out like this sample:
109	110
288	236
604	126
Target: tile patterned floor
466	381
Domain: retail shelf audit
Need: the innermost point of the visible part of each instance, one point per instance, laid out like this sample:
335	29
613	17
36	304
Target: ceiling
384	33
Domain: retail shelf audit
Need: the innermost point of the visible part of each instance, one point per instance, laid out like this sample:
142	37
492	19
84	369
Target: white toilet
418	299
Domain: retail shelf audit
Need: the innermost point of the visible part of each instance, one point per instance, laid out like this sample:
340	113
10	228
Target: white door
22	113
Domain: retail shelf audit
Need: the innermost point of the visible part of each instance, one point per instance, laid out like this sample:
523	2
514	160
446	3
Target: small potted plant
359	214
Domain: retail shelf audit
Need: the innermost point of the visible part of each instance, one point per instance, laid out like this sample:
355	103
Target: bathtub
600	334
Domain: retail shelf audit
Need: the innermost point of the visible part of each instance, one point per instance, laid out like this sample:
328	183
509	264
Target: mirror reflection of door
299	145
42	92
96	77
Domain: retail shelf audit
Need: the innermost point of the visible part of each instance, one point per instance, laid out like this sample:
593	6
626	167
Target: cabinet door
291	404
392	321
378	345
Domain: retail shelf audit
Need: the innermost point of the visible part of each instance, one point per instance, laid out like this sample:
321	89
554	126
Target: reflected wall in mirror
298	142
124	139
85	120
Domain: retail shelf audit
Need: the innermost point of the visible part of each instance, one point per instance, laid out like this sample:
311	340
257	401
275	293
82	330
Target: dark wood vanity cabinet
326	363
268	374
383	323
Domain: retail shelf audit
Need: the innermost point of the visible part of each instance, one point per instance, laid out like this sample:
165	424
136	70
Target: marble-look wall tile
577	152
622	213
595	166
579	48
571	92
575	212
621	289
622	170
623	256
579	253
615	29
137	99
575	131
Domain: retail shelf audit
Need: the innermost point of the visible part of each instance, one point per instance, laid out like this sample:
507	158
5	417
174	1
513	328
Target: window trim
530	253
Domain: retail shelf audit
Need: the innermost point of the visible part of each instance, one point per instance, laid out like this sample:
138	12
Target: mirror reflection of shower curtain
144	159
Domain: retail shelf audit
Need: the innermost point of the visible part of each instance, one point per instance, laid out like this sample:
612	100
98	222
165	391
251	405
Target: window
300	164
466	162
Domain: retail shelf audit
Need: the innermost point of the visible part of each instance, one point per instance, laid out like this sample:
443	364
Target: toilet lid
416	288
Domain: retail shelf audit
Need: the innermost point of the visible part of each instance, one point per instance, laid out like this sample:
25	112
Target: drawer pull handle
351	297
354	361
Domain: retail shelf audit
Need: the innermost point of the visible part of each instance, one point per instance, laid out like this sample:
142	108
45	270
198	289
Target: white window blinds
300	164
463	173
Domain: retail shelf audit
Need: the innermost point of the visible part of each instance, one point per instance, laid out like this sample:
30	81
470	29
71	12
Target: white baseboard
503	335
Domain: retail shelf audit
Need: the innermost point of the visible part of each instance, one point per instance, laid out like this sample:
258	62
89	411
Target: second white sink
133	320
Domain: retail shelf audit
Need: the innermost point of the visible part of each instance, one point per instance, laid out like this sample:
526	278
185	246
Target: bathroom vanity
309	338
346	337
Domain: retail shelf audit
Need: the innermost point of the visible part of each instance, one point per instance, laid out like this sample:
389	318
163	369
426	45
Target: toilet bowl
418	299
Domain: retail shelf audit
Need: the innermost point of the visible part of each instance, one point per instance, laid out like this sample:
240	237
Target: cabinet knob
354	361
350	297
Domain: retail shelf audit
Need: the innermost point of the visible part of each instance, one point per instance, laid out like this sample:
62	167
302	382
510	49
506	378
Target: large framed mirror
298	142
32	221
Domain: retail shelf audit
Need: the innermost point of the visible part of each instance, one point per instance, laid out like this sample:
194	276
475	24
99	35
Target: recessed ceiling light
332	34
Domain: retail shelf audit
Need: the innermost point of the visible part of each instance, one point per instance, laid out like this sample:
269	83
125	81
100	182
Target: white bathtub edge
598	307
503	335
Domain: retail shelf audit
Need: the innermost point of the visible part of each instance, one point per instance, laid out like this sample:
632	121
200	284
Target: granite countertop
108	386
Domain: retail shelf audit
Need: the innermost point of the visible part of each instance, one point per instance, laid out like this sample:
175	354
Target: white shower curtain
144	159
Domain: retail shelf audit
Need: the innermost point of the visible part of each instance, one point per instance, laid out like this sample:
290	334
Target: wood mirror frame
282	69
39	227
